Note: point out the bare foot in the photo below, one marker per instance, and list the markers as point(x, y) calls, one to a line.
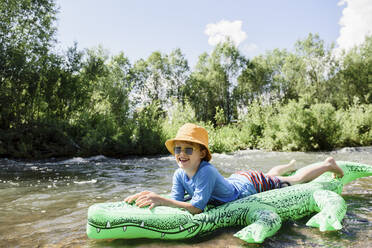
point(334, 167)
point(291, 165)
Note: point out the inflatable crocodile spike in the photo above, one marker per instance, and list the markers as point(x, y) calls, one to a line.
point(262, 214)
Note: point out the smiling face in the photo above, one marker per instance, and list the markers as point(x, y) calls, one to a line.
point(189, 163)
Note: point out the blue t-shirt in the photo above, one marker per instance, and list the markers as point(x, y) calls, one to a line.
point(209, 185)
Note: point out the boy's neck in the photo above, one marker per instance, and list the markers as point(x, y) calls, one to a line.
point(191, 172)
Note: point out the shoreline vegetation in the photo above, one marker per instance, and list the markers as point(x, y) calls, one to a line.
point(88, 102)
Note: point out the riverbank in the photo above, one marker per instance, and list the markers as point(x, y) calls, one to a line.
point(295, 126)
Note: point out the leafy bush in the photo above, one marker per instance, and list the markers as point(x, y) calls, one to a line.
point(148, 137)
point(224, 139)
point(254, 123)
point(178, 114)
point(356, 125)
point(326, 130)
point(37, 140)
point(299, 127)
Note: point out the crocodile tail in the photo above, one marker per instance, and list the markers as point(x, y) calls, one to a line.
point(353, 170)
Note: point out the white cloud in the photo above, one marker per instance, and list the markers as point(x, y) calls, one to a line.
point(219, 32)
point(356, 23)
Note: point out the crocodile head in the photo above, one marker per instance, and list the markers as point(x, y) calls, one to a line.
point(353, 170)
point(122, 220)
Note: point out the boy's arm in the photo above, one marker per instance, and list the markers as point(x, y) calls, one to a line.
point(178, 190)
point(180, 204)
point(147, 198)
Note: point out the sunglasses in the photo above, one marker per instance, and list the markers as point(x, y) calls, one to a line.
point(187, 150)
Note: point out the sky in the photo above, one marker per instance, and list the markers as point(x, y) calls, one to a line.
point(141, 27)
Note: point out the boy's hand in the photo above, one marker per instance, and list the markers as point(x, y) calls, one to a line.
point(133, 198)
point(145, 198)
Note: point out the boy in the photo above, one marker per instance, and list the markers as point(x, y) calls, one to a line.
point(205, 184)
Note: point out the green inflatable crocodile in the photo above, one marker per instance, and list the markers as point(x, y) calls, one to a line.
point(262, 214)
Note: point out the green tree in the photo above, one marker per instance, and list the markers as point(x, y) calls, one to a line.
point(197, 90)
point(262, 79)
point(110, 82)
point(26, 35)
point(150, 80)
point(64, 89)
point(355, 76)
point(312, 68)
point(282, 76)
point(213, 82)
point(178, 75)
point(228, 63)
point(159, 78)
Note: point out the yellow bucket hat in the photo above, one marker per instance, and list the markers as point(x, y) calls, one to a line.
point(190, 133)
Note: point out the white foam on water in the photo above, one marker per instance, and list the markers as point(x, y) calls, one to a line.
point(76, 160)
point(80, 160)
point(86, 182)
point(96, 158)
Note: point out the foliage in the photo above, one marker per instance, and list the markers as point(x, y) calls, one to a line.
point(302, 127)
point(89, 102)
point(355, 76)
point(178, 114)
point(212, 83)
point(255, 122)
point(225, 139)
point(26, 35)
point(147, 135)
point(159, 78)
point(356, 125)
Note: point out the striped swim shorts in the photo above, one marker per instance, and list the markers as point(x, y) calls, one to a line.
point(262, 182)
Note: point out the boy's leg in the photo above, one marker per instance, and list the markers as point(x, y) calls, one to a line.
point(311, 173)
point(281, 169)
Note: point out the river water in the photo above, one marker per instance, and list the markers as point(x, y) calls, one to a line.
point(44, 203)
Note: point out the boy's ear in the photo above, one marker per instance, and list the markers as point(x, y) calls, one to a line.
point(203, 153)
